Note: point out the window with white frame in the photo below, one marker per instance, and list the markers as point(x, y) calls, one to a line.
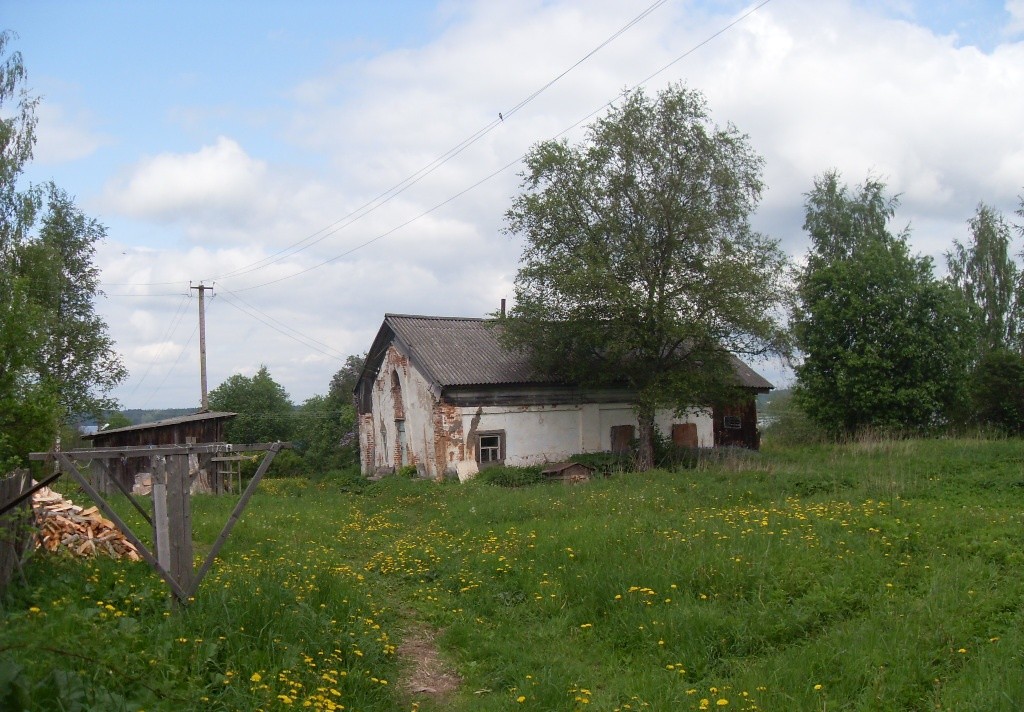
point(490, 447)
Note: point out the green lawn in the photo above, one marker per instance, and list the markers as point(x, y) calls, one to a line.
point(875, 576)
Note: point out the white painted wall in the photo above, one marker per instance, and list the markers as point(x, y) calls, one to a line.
point(540, 434)
point(533, 434)
point(665, 419)
point(418, 407)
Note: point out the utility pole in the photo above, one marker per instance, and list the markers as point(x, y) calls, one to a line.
point(202, 341)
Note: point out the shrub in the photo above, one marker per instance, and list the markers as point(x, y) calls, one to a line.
point(606, 463)
point(287, 463)
point(407, 471)
point(511, 476)
point(998, 391)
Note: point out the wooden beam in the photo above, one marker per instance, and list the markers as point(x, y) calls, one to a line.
point(28, 493)
point(151, 450)
point(107, 453)
point(138, 507)
point(179, 521)
point(161, 535)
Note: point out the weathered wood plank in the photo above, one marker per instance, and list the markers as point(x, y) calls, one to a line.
point(150, 450)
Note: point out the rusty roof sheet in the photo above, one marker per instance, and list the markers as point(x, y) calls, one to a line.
point(463, 351)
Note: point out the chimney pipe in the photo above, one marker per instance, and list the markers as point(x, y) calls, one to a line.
point(503, 308)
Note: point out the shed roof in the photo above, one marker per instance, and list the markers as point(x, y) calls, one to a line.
point(465, 351)
point(181, 419)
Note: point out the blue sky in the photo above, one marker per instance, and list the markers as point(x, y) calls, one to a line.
point(209, 137)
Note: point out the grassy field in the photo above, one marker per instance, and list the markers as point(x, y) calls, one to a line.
point(873, 576)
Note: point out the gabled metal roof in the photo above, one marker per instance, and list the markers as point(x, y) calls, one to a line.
point(457, 351)
point(463, 351)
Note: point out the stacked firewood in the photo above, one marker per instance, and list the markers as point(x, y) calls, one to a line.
point(82, 532)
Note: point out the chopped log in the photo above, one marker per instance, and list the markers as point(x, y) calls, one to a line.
point(82, 532)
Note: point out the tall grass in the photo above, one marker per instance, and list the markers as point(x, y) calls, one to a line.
point(882, 575)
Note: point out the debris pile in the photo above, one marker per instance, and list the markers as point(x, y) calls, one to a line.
point(82, 532)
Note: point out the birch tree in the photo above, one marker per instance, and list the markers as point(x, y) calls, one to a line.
point(640, 268)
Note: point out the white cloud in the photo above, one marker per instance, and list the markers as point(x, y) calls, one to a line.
point(63, 137)
point(1015, 8)
point(216, 182)
point(817, 86)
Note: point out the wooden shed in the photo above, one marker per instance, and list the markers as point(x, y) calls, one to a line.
point(568, 472)
point(198, 428)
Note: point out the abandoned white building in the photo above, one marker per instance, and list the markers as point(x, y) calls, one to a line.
point(443, 394)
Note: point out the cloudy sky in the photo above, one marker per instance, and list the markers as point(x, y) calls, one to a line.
point(321, 163)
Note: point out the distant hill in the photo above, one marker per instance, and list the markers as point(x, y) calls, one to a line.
point(139, 416)
point(765, 401)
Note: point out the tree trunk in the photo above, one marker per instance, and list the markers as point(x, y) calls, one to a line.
point(645, 437)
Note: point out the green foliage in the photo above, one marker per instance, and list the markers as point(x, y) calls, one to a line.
point(885, 344)
point(114, 420)
point(76, 354)
point(407, 471)
point(288, 463)
point(502, 476)
point(607, 463)
point(265, 413)
point(640, 269)
point(785, 422)
point(56, 359)
point(343, 383)
point(998, 390)
point(325, 432)
point(985, 273)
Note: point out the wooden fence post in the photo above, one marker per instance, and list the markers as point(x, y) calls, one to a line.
point(161, 536)
point(179, 520)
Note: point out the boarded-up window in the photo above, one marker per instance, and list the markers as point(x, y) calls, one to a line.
point(622, 438)
point(396, 396)
point(684, 435)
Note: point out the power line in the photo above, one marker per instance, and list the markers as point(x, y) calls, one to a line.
point(508, 165)
point(171, 327)
point(296, 335)
point(405, 184)
point(386, 196)
point(173, 366)
point(304, 339)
